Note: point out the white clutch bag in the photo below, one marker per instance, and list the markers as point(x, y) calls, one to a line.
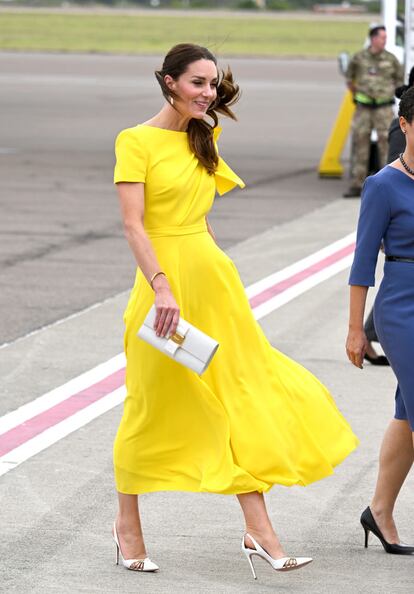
point(189, 345)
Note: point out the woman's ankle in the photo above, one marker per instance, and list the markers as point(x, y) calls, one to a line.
point(127, 524)
point(264, 533)
point(267, 540)
point(262, 537)
point(381, 510)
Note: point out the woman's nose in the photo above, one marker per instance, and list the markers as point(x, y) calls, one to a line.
point(208, 91)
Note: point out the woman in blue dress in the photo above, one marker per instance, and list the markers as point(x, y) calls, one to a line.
point(387, 214)
point(396, 146)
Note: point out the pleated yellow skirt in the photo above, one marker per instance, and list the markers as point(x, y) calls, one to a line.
point(254, 419)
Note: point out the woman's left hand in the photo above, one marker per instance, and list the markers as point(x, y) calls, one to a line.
point(167, 310)
point(356, 347)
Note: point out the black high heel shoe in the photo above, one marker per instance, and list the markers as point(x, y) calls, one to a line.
point(370, 525)
point(379, 360)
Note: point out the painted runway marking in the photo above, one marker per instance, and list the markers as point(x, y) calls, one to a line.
point(281, 287)
point(42, 422)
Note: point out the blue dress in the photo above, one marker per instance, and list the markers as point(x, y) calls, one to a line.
point(387, 214)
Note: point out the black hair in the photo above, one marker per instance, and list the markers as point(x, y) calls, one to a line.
point(406, 107)
point(375, 30)
point(400, 90)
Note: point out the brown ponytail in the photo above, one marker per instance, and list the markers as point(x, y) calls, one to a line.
point(200, 132)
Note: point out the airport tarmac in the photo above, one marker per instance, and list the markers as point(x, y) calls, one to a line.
point(65, 272)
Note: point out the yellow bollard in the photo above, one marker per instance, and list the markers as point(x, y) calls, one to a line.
point(330, 165)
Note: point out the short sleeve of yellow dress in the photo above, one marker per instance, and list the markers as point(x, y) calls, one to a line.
point(255, 418)
point(131, 158)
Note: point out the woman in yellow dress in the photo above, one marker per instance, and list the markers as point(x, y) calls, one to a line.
point(255, 418)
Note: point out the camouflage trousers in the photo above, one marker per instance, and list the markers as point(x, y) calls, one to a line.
point(365, 120)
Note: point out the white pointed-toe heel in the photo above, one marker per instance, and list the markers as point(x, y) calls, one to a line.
point(283, 564)
point(133, 564)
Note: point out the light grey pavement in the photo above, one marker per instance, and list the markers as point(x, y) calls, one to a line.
point(57, 508)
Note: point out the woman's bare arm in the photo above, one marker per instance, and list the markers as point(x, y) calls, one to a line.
point(356, 344)
point(132, 201)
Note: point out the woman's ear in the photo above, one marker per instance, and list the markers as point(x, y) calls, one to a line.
point(169, 81)
point(403, 124)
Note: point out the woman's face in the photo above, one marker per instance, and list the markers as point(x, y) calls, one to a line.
point(196, 88)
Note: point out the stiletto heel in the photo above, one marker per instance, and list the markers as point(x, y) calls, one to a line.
point(366, 536)
point(249, 559)
point(369, 525)
point(133, 564)
point(283, 564)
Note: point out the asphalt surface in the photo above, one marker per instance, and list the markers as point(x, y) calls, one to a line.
point(62, 250)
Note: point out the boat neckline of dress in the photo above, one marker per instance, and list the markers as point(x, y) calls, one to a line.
point(404, 174)
point(162, 129)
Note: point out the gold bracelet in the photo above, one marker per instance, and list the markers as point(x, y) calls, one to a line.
point(154, 276)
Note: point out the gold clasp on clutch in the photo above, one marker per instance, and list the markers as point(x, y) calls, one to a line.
point(177, 338)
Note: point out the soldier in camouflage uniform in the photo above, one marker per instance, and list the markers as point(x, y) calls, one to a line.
point(372, 76)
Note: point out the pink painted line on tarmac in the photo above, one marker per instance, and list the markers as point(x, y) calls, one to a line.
point(296, 278)
point(39, 423)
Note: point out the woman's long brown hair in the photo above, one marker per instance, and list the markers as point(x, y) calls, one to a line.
point(200, 132)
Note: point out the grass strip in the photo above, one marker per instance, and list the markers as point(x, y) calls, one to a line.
point(156, 34)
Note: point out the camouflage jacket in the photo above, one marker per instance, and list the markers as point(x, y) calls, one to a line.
point(375, 75)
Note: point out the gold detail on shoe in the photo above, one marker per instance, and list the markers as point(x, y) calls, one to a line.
point(290, 563)
point(177, 338)
point(137, 565)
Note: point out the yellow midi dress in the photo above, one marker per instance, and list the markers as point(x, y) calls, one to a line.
point(255, 418)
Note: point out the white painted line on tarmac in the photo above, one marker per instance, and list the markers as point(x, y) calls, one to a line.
point(39, 424)
point(58, 395)
point(56, 432)
point(301, 287)
point(281, 287)
point(299, 266)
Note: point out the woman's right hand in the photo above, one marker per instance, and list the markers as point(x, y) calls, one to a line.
point(167, 310)
point(356, 347)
